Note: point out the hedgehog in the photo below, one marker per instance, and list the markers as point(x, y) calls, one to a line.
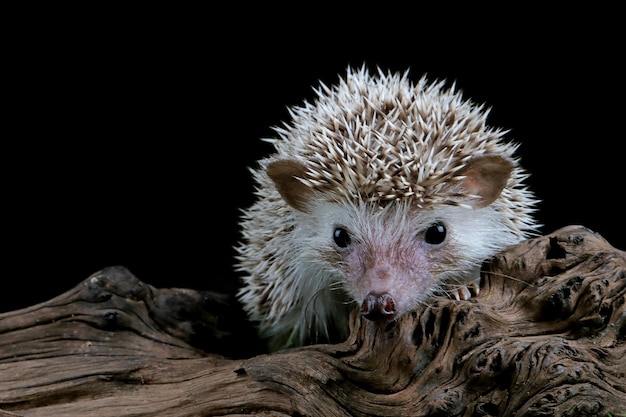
point(379, 195)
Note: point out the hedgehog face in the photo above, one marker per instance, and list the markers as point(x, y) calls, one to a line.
point(391, 260)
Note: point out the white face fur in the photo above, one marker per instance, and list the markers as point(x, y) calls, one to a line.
point(401, 250)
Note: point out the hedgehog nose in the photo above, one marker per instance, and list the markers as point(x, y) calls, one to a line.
point(378, 307)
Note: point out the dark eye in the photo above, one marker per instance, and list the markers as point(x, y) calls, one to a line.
point(341, 237)
point(435, 234)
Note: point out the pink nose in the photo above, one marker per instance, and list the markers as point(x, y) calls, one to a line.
point(378, 307)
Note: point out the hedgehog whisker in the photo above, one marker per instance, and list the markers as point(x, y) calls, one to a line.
point(512, 278)
point(333, 286)
point(454, 282)
point(310, 313)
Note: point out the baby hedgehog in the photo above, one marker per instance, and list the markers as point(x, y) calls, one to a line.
point(380, 194)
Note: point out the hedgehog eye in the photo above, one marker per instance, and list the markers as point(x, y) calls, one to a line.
point(435, 234)
point(341, 237)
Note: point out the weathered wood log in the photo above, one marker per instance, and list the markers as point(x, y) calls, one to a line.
point(546, 336)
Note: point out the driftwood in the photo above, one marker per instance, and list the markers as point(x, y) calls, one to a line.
point(546, 336)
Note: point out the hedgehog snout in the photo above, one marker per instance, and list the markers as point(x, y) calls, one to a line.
point(379, 307)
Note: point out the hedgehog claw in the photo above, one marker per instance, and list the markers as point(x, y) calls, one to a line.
point(475, 287)
point(462, 293)
point(465, 292)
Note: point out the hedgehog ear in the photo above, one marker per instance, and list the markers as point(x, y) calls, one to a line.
point(285, 174)
point(486, 176)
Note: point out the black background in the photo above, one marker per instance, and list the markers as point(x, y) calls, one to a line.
point(128, 134)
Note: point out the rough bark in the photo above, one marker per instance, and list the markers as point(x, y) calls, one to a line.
point(545, 337)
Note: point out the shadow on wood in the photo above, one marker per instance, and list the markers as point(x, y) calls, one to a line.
point(545, 337)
